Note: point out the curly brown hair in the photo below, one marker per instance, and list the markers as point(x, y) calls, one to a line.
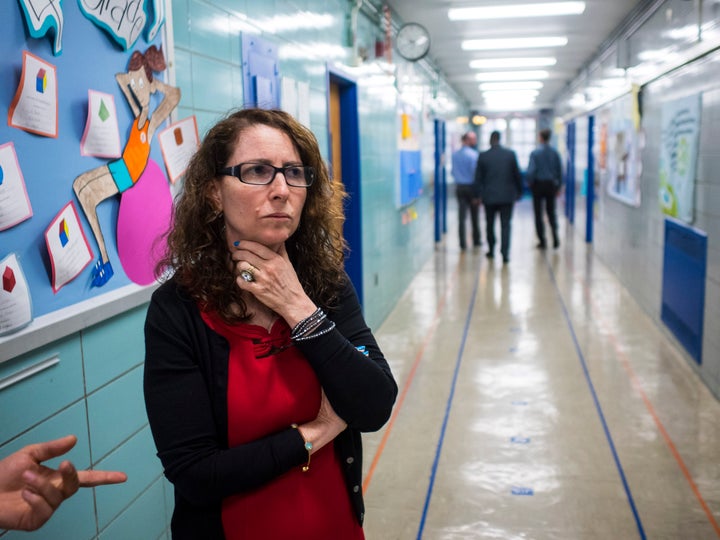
point(196, 246)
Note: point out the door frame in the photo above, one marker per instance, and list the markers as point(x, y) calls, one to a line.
point(351, 170)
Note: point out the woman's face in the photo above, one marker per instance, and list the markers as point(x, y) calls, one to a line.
point(267, 214)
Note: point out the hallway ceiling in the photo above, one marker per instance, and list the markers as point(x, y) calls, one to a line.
point(585, 33)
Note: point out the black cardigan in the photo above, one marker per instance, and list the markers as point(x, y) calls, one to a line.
point(185, 385)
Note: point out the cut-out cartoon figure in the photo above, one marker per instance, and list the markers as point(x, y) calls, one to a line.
point(97, 185)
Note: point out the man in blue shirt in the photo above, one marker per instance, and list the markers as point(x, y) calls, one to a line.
point(544, 177)
point(463, 171)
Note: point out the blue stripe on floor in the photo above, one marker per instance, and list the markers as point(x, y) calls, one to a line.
point(448, 406)
point(598, 407)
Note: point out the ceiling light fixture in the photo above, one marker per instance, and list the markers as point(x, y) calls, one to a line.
point(507, 85)
point(513, 43)
point(495, 63)
point(511, 75)
point(510, 94)
point(548, 9)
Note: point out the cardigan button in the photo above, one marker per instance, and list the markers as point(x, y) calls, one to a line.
point(356, 489)
point(350, 460)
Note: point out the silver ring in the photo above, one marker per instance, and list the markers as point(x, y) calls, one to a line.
point(248, 275)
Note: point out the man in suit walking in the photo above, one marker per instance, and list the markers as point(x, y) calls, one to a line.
point(500, 184)
point(544, 177)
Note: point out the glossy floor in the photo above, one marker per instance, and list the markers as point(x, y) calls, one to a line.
point(538, 401)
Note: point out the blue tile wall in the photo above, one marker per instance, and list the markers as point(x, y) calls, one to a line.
point(95, 393)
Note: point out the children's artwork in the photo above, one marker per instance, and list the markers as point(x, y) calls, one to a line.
point(96, 185)
point(15, 305)
point(624, 146)
point(101, 137)
point(678, 157)
point(42, 16)
point(178, 143)
point(143, 218)
point(67, 246)
point(124, 21)
point(14, 201)
point(35, 106)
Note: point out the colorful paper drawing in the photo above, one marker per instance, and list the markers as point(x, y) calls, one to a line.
point(94, 186)
point(678, 157)
point(158, 18)
point(15, 303)
point(67, 246)
point(14, 201)
point(123, 22)
point(178, 143)
point(35, 105)
point(102, 136)
point(144, 216)
point(41, 17)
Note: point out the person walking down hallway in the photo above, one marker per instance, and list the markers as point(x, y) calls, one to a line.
point(463, 170)
point(500, 184)
point(544, 177)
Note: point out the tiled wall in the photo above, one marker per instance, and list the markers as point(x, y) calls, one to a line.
point(630, 240)
point(92, 388)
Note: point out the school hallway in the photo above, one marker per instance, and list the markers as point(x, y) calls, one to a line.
point(537, 401)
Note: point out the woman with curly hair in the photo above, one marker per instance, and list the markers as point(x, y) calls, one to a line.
point(260, 371)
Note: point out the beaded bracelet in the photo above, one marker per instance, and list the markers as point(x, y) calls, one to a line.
point(308, 324)
point(309, 327)
point(308, 446)
point(322, 332)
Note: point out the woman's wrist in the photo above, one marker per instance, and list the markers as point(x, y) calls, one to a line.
point(294, 314)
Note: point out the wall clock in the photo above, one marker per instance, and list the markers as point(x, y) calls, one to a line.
point(412, 41)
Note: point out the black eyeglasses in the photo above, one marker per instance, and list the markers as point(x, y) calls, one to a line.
point(262, 174)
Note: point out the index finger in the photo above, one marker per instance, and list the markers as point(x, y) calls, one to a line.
point(92, 478)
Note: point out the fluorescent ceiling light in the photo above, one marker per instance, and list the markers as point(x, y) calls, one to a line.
point(508, 106)
point(511, 75)
point(510, 94)
point(507, 85)
point(513, 43)
point(494, 63)
point(505, 11)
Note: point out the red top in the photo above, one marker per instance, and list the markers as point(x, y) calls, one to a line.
point(267, 395)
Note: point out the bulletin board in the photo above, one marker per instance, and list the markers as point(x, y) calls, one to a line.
point(88, 60)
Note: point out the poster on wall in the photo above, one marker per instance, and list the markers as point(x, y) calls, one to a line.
point(15, 305)
point(67, 246)
point(102, 135)
point(178, 143)
point(622, 149)
point(14, 202)
point(35, 106)
point(678, 156)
